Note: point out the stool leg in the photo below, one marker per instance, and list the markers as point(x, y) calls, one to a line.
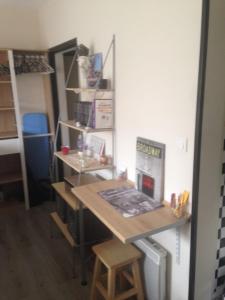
point(74, 262)
point(111, 283)
point(137, 280)
point(96, 275)
point(122, 282)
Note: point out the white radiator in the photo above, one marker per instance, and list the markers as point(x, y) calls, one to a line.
point(153, 269)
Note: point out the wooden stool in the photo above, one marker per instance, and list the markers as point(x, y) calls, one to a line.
point(115, 256)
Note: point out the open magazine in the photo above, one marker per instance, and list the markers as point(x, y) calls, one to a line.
point(129, 201)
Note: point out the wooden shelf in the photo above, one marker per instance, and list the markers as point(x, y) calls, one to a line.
point(67, 196)
point(63, 228)
point(8, 135)
point(74, 161)
point(90, 94)
point(5, 81)
point(89, 90)
point(81, 179)
point(7, 108)
point(10, 178)
point(72, 124)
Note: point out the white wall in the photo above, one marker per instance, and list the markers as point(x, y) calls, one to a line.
point(20, 30)
point(157, 53)
point(31, 93)
point(19, 27)
point(211, 154)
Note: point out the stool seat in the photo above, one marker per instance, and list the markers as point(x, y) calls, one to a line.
point(119, 259)
point(114, 254)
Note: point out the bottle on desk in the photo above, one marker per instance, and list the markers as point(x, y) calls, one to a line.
point(80, 143)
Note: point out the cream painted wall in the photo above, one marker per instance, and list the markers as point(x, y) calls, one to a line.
point(213, 133)
point(19, 27)
point(157, 56)
point(31, 93)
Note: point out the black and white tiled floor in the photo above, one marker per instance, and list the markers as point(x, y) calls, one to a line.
point(219, 286)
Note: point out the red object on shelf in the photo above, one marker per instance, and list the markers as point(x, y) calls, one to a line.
point(65, 149)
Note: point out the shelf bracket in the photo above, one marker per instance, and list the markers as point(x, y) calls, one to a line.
point(178, 242)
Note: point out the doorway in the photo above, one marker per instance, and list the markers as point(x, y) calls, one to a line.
point(63, 59)
point(209, 140)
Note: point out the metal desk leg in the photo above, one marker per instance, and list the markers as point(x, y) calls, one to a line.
point(82, 247)
point(74, 262)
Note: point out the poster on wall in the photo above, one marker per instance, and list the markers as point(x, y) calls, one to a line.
point(150, 168)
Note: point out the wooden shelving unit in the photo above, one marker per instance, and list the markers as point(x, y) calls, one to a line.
point(88, 164)
point(10, 164)
point(11, 133)
point(11, 152)
point(81, 163)
point(8, 126)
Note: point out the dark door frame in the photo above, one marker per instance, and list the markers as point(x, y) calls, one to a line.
point(51, 56)
point(198, 140)
point(55, 99)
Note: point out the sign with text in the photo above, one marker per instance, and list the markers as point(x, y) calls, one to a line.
point(150, 166)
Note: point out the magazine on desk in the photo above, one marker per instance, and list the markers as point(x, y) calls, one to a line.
point(129, 201)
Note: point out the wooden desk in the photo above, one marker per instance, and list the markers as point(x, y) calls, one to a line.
point(126, 229)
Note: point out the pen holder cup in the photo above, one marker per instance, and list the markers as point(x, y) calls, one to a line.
point(180, 211)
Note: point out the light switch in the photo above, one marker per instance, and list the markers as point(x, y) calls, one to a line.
point(182, 144)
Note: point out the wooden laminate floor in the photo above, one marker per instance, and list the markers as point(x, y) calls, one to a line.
point(32, 265)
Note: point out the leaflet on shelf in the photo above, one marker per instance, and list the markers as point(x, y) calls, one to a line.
point(102, 116)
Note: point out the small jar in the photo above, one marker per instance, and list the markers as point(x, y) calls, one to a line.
point(109, 160)
point(103, 159)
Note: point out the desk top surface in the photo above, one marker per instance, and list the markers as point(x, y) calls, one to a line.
point(126, 229)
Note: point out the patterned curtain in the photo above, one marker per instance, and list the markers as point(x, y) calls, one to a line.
point(219, 286)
